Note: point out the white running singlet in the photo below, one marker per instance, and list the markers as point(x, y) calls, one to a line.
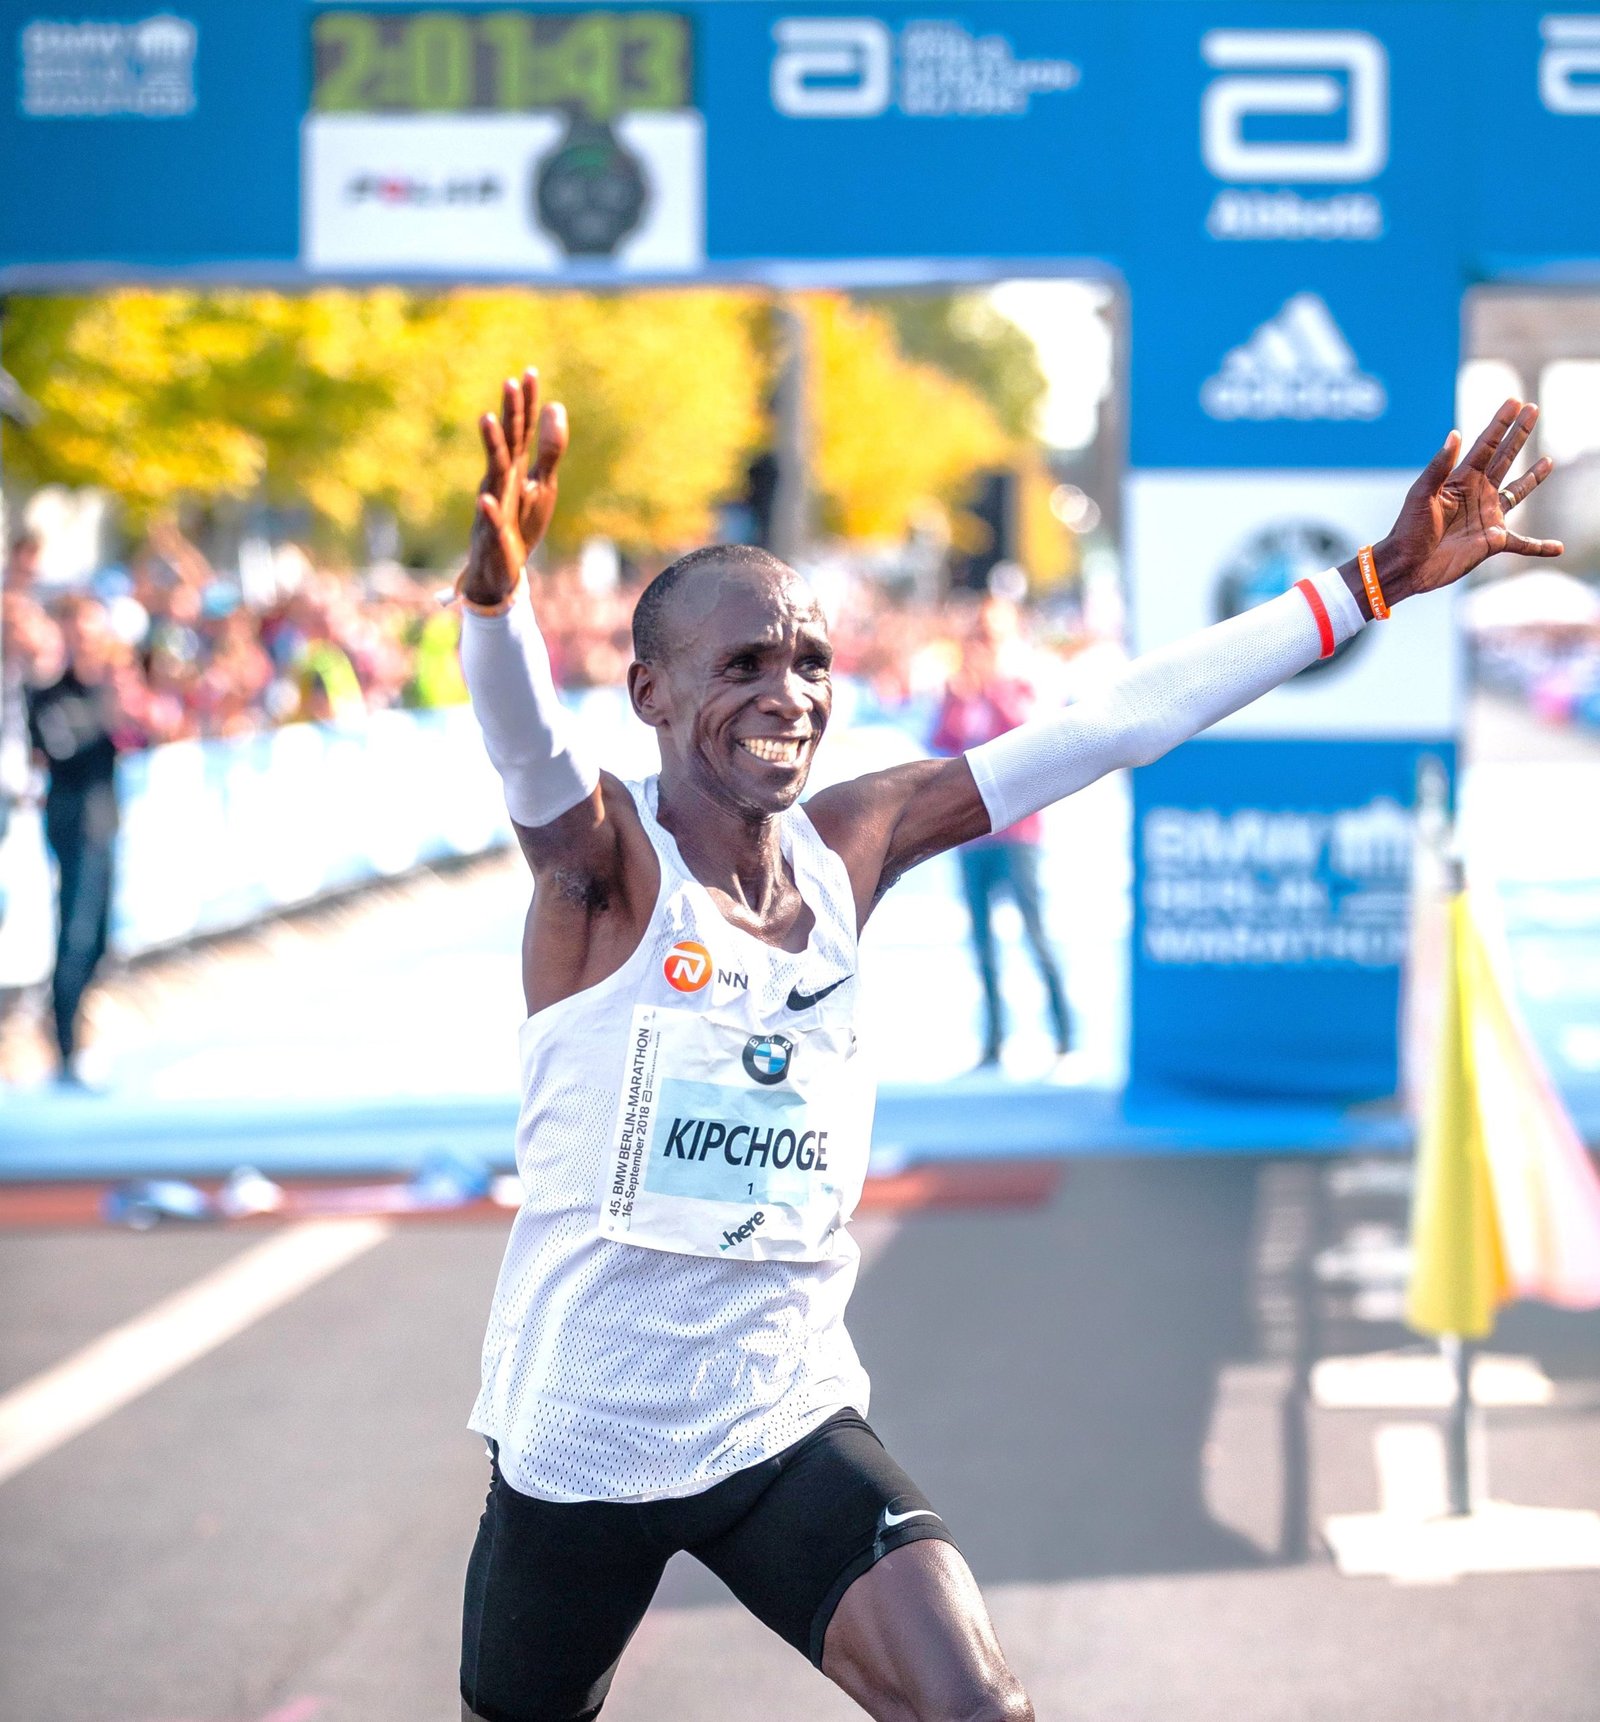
point(692, 1141)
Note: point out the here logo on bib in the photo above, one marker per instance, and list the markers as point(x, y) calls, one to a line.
point(716, 1125)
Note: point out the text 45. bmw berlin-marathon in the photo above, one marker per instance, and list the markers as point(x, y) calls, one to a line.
point(1267, 181)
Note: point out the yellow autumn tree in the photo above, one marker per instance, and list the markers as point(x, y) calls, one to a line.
point(890, 434)
point(665, 393)
point(338, 400)
point(1047, 549)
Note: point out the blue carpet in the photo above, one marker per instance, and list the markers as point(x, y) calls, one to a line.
point(51, 1135)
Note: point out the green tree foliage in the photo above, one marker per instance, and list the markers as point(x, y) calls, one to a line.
point(336, 400)
point(892, 435)
point(968, 339)
point(162, 396)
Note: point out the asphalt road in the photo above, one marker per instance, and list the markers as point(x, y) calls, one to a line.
point(1105, 1395)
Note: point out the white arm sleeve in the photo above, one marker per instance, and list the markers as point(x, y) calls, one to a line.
point(530, 735)
point(1161, 699)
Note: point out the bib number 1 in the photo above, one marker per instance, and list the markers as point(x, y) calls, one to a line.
point(732, 1143)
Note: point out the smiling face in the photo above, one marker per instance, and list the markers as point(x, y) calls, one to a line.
point(742, 689)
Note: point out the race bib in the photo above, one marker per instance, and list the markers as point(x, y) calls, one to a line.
point(730, 1143)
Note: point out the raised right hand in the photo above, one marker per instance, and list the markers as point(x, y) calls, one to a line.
point(1454, 516)
point(515, 503)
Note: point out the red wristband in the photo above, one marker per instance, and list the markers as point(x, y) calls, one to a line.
point(1320, 610)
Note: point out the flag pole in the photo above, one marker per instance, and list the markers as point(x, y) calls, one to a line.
point(1460, 1430)
point(1456, 1348)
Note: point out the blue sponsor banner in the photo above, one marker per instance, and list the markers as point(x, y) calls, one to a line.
point(1295, 193)
point(1288, 360)
point(1213, 153)
point(1534, 210)
point(908, 132)
point(137, 138)
point(1299, 205)
point(1270, 917)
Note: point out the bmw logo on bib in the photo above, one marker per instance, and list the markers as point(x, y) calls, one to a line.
point(767, 1057)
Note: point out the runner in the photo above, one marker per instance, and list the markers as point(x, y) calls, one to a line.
point(666, 1365)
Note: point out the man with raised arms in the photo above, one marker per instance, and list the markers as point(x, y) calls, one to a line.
point(666, 1366)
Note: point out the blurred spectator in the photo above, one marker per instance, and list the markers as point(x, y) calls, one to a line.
point(229, 692)
point(77, 723)
point(1553, 668)
point(22, 562)
point(324, 679)
point(32, 653)
point(175, 615)
point(990, 694)
point(436, 679)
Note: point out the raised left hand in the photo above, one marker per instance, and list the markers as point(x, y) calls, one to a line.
point(1454, 516)
point(516, 499)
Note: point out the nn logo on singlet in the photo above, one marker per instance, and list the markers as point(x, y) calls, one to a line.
point(742, 1234)
point(688, 968)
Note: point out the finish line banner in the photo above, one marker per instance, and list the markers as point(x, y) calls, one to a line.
point(286, 141)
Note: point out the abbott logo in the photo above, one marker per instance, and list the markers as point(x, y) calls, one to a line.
point(1295, 72)
point(1569, 67)
point(831, 68)
point(933, 68)
point(1297, 365)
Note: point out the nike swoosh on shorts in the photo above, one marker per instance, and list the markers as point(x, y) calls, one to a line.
point(798, 1000)
point(890, 1520)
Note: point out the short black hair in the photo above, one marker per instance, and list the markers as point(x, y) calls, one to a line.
point(651, 615)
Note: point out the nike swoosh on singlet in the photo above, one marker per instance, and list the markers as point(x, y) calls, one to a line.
point(798, 1000)
point(890, 1520)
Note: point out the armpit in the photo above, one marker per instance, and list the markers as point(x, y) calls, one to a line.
point(583, 890)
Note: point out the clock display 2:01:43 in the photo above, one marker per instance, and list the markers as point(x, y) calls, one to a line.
point(597, 65)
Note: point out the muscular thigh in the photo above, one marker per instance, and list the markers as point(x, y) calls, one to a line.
point(912, 1638)
point(838, 1505)
point(554, 1592)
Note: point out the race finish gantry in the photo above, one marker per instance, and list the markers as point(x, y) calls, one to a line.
point(1294, 197)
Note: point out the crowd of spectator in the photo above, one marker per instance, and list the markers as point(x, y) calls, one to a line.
point(191, 659)
point(167, 650)
point(897, 649)
point(1555, 671)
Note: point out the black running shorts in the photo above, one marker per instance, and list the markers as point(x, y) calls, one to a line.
point(556, 1589)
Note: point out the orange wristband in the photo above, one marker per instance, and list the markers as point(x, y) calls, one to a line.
point(1369, 579)
point(487, 609)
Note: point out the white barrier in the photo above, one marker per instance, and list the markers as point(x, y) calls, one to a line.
point(216, 834)
point(219, 834)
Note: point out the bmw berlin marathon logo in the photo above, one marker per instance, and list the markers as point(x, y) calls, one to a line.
point(767, 1058)
point(1272, 561)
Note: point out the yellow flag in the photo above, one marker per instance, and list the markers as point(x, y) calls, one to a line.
point(1546, 1190)
point(1458, 1278)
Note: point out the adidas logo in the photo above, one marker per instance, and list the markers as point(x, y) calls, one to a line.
point(1297, 365)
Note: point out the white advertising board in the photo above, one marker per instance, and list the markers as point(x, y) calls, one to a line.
point(450, 194)
point(1203, 545)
